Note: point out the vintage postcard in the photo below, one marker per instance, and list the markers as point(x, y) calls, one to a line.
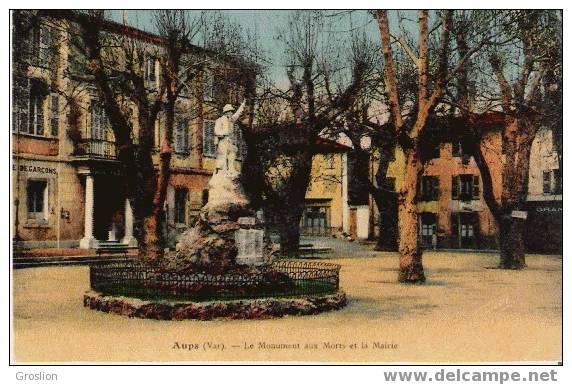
point(286, 186)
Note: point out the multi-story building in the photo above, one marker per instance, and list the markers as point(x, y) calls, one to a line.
point(326, 200)
point(452, 211)
point(67, 182)
point(544, 206)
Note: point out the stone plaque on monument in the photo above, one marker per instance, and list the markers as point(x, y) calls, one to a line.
point(250, 243)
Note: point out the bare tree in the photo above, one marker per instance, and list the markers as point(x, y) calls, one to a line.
point(520, 78)
point(432, 75)
point(322, 84)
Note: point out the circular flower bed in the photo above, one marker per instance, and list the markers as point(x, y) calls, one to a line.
point(261, 308)
point(285, 287)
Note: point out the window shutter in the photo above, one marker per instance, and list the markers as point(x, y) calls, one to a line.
point(455, 227)
point(208, 85)
point(34, 49)
point(186, 136)
point(54, 111)
point(208, 138)
point(93, 119)
point(546, 181)
point(475, 187)
point(22, 105)
point(557, 181)
point(152, 69)
point(39, 100)
point(178, 142)
point(45, 46)
point(455, 187)
point(435, 188)
point(182, 136)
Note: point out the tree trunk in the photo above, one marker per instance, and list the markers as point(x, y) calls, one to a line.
point(511, 238)
point(386, 198)
point(289, 230)
point(410, 259)
point(291, 199)
point(386, 203)
point(151, 240)
point(517, 140)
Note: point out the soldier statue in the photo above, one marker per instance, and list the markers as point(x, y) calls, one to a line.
point(224, 129)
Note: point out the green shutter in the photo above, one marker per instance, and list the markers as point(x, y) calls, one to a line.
point(208, 138)
point(436, 188)
point(455, 187)
point(54, 110)
point(39, 100)
point(476, 189)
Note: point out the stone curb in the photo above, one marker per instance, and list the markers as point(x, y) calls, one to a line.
point(262, 308)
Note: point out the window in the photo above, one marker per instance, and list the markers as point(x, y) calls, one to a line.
point(77, 57)
point(182, 137)
point(546, 182)
point(428, 228)
point(465, 229)
point(54, 114)
point(42, 46)
point(428, 188)
point(434, 151)
point(209, 148)
point(149, 73)
point(20, 100)
point(37, 199)
point(180, 215)
point(208, 86)
point(465, 187)
point(552, 181)
point(316, 219)
point(99, 121)
point(36, 121)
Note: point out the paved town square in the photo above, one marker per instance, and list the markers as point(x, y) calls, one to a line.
point(466, 312)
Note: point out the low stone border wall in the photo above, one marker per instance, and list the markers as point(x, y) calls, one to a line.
point(238, 309)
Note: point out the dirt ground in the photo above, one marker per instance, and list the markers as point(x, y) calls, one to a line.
point(465, 312)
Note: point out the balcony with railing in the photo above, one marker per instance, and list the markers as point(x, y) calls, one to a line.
point(95, 148)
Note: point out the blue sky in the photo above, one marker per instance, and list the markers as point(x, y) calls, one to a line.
point(267, 23)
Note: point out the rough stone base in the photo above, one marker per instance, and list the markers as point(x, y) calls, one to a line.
point(262, 308)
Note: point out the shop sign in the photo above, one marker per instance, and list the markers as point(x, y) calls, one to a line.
point(519, 214)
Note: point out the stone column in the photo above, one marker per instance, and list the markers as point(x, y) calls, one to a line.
point(129, 239)
point(112, 233)
point(88, 241)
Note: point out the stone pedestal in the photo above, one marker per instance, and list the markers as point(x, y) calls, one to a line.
point(212, 243)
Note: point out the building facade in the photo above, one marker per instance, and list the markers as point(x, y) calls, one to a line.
point(67, 184)
point(452, 213)
point(544, 201)
point(326, 202)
